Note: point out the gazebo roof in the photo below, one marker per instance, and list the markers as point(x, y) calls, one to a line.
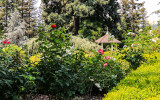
point(105, 39)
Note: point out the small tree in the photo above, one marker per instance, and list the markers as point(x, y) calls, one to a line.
point(16, 32)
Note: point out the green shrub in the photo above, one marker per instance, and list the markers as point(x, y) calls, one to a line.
point(134, 57)
point(16, 80)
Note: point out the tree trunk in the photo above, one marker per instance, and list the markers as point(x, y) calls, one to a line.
point(6, 9)
point(22, 8)
point(76, 25)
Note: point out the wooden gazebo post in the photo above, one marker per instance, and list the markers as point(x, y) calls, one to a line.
point(102, 46)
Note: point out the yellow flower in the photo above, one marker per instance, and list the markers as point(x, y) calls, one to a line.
point(35, 59)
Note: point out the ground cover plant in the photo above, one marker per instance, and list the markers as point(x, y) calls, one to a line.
point(142, 83)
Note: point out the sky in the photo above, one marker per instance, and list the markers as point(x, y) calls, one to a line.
point(150, 5)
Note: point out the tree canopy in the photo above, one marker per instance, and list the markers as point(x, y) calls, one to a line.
point(73, 14)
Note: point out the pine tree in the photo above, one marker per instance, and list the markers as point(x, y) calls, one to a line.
point(2, 14)
point(7, 7)
point(26, 8)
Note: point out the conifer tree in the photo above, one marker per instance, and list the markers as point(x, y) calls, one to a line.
point(26, 8)
point(7, 7)
point(133, 15)
point(2, 14)
point(16, 32)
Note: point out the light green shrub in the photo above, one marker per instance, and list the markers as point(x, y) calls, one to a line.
point(84, 43)
point(141, 84)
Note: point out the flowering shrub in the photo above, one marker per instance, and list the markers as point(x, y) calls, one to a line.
point(53, 26)
point(107, 57)
point(12, 49)
point(100, 51)
point(105, 64)
point(134, 57)
point(6, 41)
point(63, 74)
point(16, 74)
point(35, 59)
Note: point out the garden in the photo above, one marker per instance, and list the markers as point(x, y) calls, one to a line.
point(57, 57)
point(59, 71)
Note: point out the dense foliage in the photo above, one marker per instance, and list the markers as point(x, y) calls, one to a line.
point(90, 17)
point(15, 74)
point(64, 74)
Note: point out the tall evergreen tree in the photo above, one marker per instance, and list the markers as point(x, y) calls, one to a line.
point(26, 8)
point(2, 14)
point(133, 15)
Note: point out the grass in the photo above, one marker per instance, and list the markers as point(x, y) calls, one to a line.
point(140, 84)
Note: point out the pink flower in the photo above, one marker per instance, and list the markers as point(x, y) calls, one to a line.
point(136, 43)
point(108, 57)
point(53, 26)
point(100, 51)
point(6, 41)
point(104, 65)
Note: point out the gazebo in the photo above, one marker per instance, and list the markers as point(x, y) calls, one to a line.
point(106, 39)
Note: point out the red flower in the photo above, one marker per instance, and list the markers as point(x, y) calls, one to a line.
point(78, 57)
point(104, 65)
point(6, 41)
point(100, 51)
point(60, 36)
point(53, 26)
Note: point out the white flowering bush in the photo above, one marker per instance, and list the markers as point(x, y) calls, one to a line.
point(16, 32)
